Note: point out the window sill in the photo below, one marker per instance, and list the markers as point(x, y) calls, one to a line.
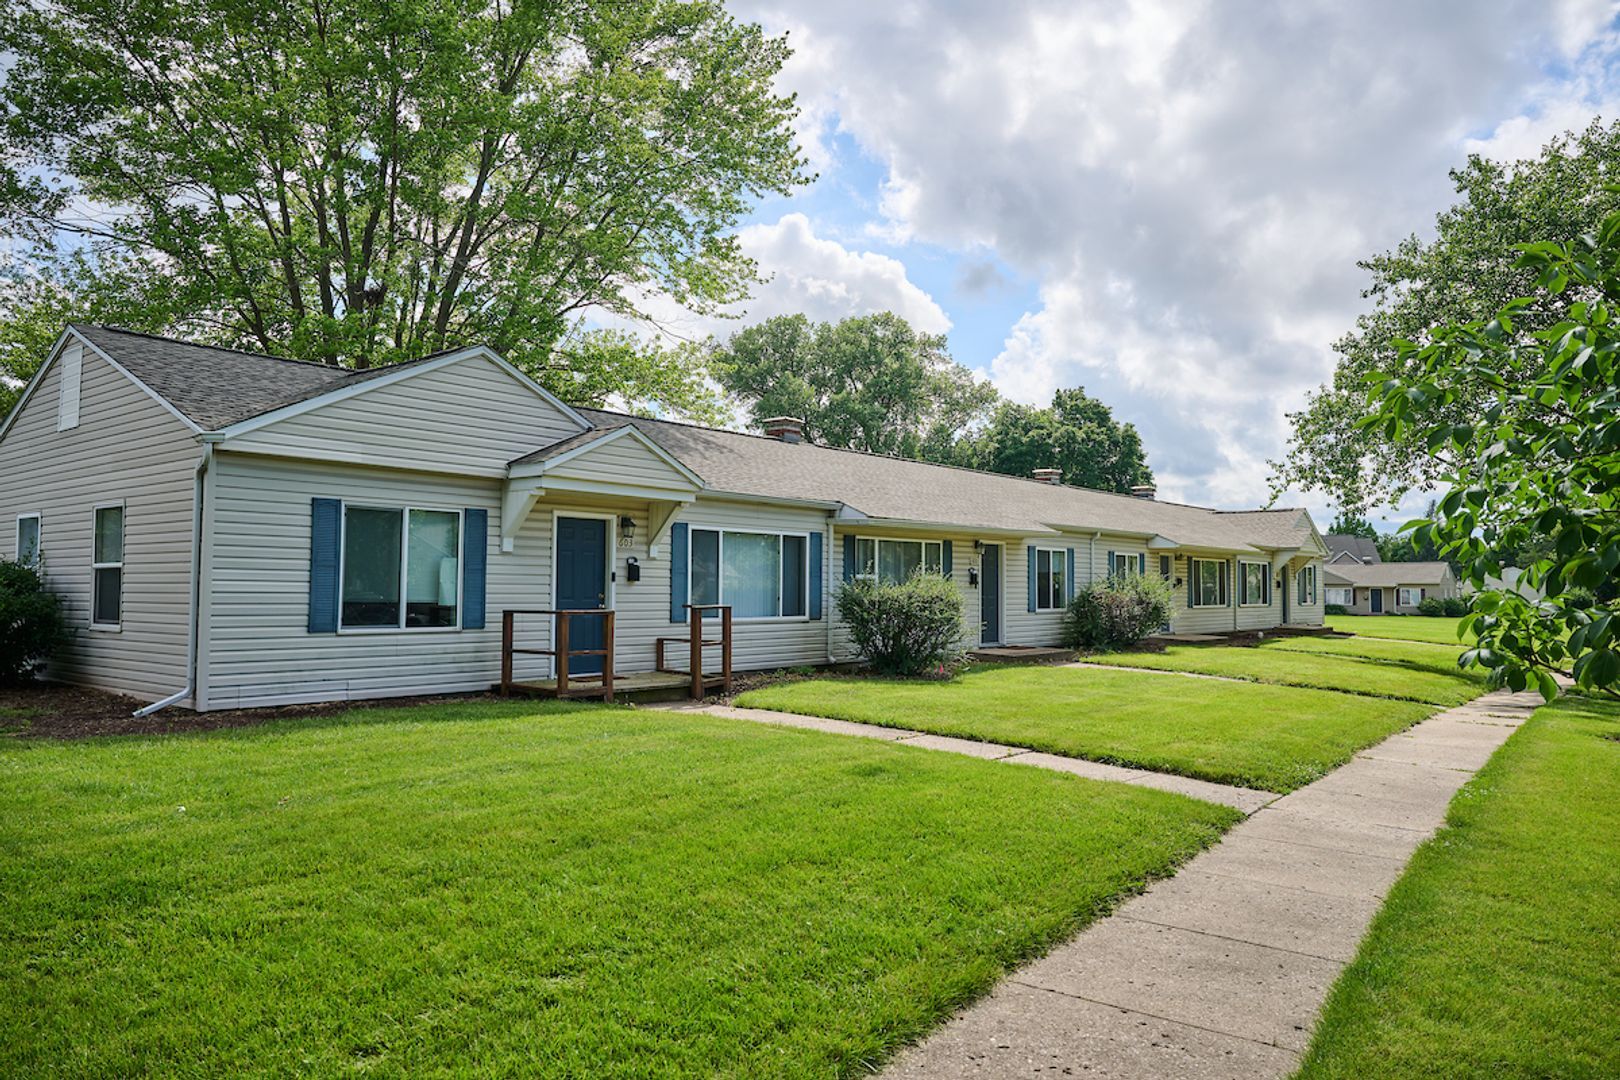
point(107, 628)
point(374, 631)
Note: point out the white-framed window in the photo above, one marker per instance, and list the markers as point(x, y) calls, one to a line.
point(762, 575)
point(1339, 596)
point(1408, 597)
point(401, 568)
point(1307, 585)
point(1209, 585)
point(1125, 563)
point(893, 561)
point(1051, 579)
point(28, 539)
point(1254, 584)
point(107, 567)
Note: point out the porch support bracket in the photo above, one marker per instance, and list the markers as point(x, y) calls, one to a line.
point(517, 499)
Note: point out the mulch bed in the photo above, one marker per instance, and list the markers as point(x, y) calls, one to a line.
point(57, 711)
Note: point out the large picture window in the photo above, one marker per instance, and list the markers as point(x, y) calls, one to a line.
point(1125, 564)
point(107, 568)
point(1209, 587)
point(1253, 584)
point(1050, 574)
point(28, 539)
point(760, 575)
point(1405, 597)
point(401, 568)
point(1338, 596)
point(893, 561)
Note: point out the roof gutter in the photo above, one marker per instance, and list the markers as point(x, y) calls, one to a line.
point(195, 599)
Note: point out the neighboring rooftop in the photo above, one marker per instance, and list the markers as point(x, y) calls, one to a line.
point(1361, 548)
point(1385, 575)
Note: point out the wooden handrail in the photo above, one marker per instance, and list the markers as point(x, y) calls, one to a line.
point(696, 643)
point(562, 652)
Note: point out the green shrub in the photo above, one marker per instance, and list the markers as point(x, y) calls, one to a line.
point(31, 624)
point(1431, 605)
point(1455, 606)
point(1118, 612)
point(1335, 609)
point(909, 628)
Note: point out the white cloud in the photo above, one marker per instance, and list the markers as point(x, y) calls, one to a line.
point(1191, 183)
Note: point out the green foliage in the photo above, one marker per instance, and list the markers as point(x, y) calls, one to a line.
point(1527, 428)
point(1454, 607)
point(870, 383)
point(32, 627)
point(1118, 612)
point(364, 182)
point(906, 628)
point(1077, 434)
point(1334, 609)
point(1347, 524)
point(1468, 270)
point(1432, 606)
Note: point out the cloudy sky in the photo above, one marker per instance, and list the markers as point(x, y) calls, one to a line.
point(1162, 202)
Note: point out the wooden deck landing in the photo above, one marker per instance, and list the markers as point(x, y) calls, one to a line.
point(1021, 654)
point(644, 686)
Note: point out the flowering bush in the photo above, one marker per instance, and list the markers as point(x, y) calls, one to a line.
point(903, 629)
point(1118, 612)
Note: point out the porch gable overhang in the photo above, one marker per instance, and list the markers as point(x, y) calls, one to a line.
point(618, 463)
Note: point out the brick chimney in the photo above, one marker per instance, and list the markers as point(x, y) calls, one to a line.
point(1144, 491)
point(1048, 476)
point(786, 428)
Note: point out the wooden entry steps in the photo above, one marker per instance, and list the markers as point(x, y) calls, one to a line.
point(657, 685)
point(646, 686)
point(1021, 654)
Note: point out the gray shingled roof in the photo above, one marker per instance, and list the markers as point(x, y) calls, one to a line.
point(216, 388)
point(1360, 546)
point(213, 387)
point(915, 491)
point(1387, 575)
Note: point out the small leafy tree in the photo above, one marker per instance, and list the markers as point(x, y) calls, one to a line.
point(31, 624)
point(1116, 613)
point(906, 628)
point(1538, 457)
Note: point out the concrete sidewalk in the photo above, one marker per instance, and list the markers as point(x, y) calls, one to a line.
point(1246, 799)
point(1221, 970)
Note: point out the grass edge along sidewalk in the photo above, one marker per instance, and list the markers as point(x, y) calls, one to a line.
point(516, 887)
point(1498, 951)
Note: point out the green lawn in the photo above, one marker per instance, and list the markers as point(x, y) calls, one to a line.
point(1440, 631)
point(1271, 737)
point(507, 889)
point(1498, 953)
point(1288, 662)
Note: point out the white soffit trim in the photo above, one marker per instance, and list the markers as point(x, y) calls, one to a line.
point(406, 371)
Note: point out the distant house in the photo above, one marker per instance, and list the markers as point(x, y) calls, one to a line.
point(1355, 577)
point(230, 529)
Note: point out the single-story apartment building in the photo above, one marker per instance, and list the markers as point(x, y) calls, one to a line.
point(1356, 578)
point(230, 529)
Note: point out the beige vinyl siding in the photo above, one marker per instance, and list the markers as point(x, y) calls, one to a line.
point(125, 447)
point(259, 652)
point(1202, 620)
point(468, 417)
point(622, 461)
point(1306, 614)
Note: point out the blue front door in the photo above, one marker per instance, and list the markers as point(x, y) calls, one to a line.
point(990, 595)
point(1378, 601)
point(582, 583)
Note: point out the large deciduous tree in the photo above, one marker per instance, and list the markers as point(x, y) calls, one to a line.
point(366, 181)
point(1076, 433)
point(1468, 268)
point(1524, 427)
point(869, 383)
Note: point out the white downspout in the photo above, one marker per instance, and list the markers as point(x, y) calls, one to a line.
point(196, 586)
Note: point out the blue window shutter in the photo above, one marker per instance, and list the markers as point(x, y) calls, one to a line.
point(1192, 579)
point(1110, 572)
point(325, 542)
point(849, 556)
point(1141, 563)
point(1030, 551)
point(678, 541)
point(1068, 579)
point(815, 575)
point(474, 563)
point(945, 558)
